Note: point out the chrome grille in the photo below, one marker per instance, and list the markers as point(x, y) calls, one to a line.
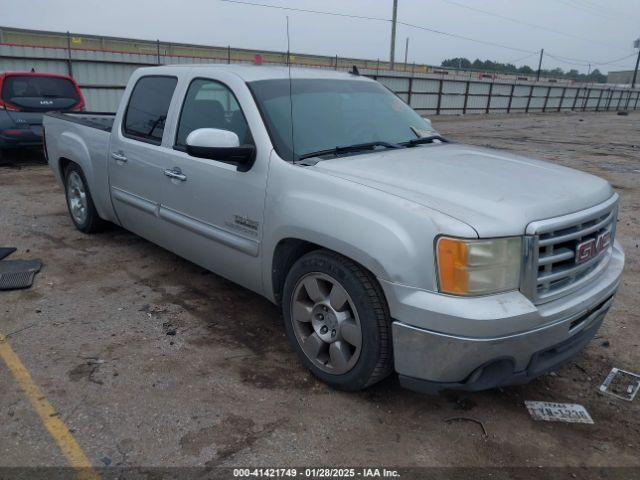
point(550, 268)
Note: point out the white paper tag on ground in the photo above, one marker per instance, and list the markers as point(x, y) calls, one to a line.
point(558, 412)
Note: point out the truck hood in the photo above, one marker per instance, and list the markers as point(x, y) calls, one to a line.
point(494, 192)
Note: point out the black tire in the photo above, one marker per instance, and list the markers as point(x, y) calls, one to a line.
point(375, 361)
point(92, 223)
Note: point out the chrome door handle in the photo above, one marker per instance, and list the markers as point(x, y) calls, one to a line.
point(119, 157)
point(175, 173)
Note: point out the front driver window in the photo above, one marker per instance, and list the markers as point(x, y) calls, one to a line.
point(210, 104)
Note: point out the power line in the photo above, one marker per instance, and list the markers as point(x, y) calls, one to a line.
point(522, 58)
point(586, 63)
point(585, 8)
point(462, 37)
point(303, 10)
point(521, 22)
point(410, 25)
point(568, 60)
point(581, 61)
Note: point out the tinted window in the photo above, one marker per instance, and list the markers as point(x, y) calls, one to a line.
point(210, 104)
point(330, 113)
point(40, 93)
point(148, 106)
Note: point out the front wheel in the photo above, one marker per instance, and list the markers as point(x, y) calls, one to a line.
point(337, 319)
point(79, 202)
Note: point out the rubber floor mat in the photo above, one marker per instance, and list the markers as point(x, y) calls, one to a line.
point(6, 251)
point(16, 274)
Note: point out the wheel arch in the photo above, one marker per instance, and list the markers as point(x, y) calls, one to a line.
point(288, 251)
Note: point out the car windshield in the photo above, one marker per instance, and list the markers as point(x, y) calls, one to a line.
point(334, 113)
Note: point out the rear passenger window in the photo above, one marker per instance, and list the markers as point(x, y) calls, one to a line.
point(148, 106)
point(210, 104)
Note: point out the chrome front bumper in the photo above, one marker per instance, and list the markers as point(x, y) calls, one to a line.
point(476, 343)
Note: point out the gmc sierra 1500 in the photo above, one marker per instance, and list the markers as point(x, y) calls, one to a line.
point(385, 244)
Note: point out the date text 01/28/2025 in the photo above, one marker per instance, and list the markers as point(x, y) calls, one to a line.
point(315, 473)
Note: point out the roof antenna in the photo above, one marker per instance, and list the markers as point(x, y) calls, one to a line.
point(293, 150)
point(354, 71)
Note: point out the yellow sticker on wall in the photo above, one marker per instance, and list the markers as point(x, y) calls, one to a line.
point(76, 40)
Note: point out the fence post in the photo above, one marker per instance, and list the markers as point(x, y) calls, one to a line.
point(599, 99)
point(377, 67)
point(546, 99)
point(336, 68)
point(626, 105)
point(69, 64)
point(439, 97)
point(229, 54)
point(586, 100)
point(575, 99)
point(410, 91)
point(489, 97)
point(158, 51)
point(526, 110)
point(466, 97)
point(513, 88)
point(564, 90)
point(619, 100)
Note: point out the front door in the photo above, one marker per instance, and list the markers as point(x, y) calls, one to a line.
point(213, 211)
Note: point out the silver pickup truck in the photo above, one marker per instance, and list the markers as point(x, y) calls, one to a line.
point(387, 246)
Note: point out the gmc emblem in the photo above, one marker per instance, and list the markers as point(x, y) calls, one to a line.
point(591, 248)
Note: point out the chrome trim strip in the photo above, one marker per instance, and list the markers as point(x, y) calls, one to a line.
point(577, 234)
point(245, 245)
point(134, 201)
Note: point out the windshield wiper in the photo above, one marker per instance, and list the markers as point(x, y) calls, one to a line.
point(349, 149)
point(419, 141)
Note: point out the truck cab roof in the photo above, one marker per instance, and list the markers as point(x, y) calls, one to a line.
point(251, 73)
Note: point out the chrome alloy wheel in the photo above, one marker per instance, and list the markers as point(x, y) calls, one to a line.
point(77, 198)
point(326, 323)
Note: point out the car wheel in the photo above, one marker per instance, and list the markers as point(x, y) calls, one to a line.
point(79, 202)
point(338, 321)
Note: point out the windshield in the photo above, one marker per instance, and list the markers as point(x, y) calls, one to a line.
point(334, 113)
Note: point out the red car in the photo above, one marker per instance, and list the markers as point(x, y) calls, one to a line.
point(24, 97)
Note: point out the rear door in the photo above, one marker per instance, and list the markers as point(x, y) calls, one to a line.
point(137, 158)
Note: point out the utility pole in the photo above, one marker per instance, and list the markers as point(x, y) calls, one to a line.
point(394, 21)
point(635, 72)
point(539, 64)
point(406, 53)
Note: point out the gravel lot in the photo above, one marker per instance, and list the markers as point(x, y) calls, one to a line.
point(151, 361)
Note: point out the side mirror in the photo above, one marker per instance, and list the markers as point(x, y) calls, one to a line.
point(222, 145)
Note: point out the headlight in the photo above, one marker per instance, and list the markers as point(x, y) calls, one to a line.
point(478, 267)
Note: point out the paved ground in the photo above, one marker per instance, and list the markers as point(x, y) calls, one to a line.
point(226, 389)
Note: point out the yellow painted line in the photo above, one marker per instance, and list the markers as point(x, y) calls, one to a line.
point(56, 427)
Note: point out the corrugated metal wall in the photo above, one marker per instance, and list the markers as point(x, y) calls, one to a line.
point(102, 74)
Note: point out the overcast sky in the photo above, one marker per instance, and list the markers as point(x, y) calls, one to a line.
point(596, 31)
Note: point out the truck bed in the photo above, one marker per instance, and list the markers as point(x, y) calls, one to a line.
point(100, 120)
point(82, 138)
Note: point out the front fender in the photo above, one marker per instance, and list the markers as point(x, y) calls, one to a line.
point(390, 236)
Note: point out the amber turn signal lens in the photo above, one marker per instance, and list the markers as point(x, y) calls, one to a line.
point(453, 256)
point(478, 266)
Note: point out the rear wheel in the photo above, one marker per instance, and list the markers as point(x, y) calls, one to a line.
point(79, 202)
point(337, 320)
